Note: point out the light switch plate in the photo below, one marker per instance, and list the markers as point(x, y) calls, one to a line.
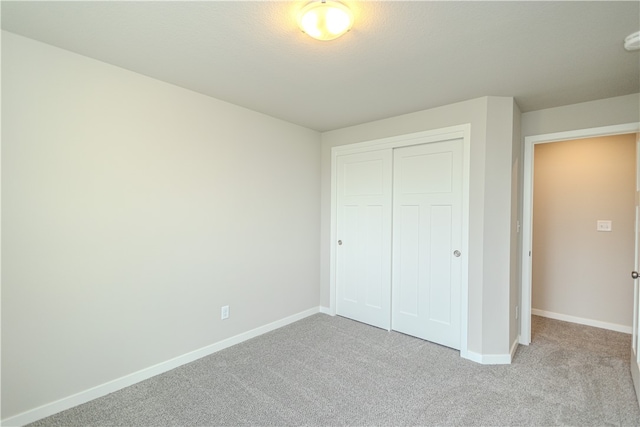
point(603, 225)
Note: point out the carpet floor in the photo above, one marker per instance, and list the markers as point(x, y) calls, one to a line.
point(331, 371)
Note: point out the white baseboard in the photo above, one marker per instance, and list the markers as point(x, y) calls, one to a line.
point(489, 359)
point(474, 357)
point(122, 382)
point(582, 321)
point(326, 310)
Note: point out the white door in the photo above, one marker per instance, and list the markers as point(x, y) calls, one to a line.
point(427, 238)
point(363, 262)
point(635, 353)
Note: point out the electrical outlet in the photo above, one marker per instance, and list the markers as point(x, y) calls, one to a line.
point(224, 312)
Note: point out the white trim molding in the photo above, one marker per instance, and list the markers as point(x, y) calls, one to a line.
point(326, 310)
point(494, 359)
point(527, 207)
point(489, 359)
point(85, 396)
point(582, 321)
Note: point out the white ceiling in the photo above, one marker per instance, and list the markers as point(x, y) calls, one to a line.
point(399, 57)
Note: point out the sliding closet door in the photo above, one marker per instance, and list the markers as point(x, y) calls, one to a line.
point(363, 262)
point(427, 237)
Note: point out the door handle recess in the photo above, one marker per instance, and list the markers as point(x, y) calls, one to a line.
point(634, 275)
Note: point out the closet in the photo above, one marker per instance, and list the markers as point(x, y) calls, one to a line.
point(400, 222)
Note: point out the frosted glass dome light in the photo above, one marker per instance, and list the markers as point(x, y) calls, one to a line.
point(632, 41)
point(325, 20)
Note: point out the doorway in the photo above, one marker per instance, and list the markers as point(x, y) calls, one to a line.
point(583, 231)
point(528, 212)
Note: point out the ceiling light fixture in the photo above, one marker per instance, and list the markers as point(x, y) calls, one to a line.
point(325, 20)
point(632, 42)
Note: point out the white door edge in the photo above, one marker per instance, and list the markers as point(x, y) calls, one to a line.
point(436, 135)
point(527, 207)
point(635, 374)
point(635, 353)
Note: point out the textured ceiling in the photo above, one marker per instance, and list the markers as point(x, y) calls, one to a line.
point(400, 57)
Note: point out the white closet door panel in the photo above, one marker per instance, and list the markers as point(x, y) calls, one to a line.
point(440, 304)
point(426, 174)
point(349, 268)
point(363, 262)
point(427, 211)
point(374, 274)
point(362, 178)
point(407, 285)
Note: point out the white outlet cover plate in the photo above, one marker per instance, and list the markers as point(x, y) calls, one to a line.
point(603, 225)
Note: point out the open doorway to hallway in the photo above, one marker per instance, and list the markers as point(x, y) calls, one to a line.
point(583, 231)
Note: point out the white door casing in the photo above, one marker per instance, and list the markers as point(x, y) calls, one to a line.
point(635, 352)
point(363, 260)
point(427, 222)
point(459, 132)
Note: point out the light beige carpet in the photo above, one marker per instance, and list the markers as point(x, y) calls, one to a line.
point(326, 371)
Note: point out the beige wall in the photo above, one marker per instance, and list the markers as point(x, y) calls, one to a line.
point(132, 211)
point(586, 115)
point(578, 271)
point(516, 234)
point(492, 140)
point(498, 253)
